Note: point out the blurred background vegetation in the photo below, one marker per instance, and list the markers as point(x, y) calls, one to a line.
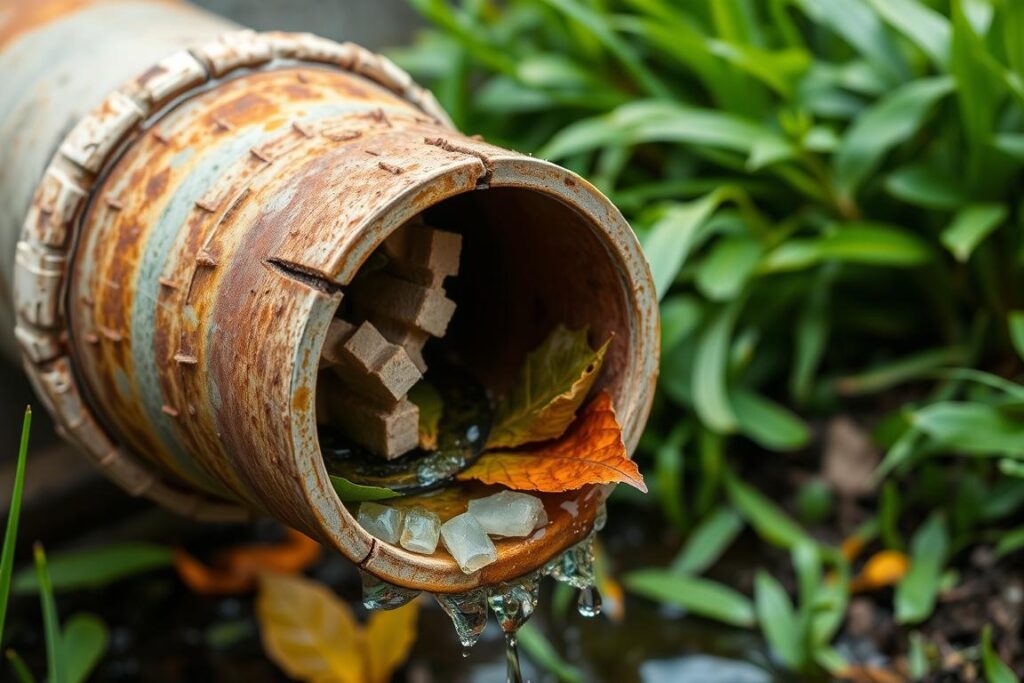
point(829, 193)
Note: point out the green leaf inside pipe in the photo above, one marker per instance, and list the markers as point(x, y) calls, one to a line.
point(350, 492)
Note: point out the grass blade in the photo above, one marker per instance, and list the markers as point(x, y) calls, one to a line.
point(21, 671)
point(972, 428)
point(891, 121)
point(85, 639)
point(670, 241)
point(778, 620)
point(698, 596)
point(767, 423)
point(708, 542)
point(13, 516)
point(917, 591)
point(970, 227)
point(96, 567)
point(925, 27)
point(55, 663)
point(996, 671)
point(621, 49)
point(767, 519)
point(711, 371)
point(1015, 321)
point(543, 654)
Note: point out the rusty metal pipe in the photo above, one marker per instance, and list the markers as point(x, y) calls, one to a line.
point(183, 252)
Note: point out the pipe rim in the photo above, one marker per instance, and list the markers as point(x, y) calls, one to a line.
point(633, 397)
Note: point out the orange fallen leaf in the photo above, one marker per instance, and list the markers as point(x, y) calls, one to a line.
point(852, 546)
point(870, 674)
point(590, 452)
point(884, 568)
point(311, 634)
point(236, 570)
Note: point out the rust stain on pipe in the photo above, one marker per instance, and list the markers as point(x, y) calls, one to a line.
point(191, 241)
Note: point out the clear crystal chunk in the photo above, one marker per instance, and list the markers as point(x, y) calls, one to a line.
point(420, 531)
point(466, 541)
point(509, 513)
point(381, 521)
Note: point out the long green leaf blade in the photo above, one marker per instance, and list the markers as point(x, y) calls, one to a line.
point(96, 567)
point(55, 663)
point(890, 122)
point(13, 517)
point(84, 640)
point(699, 596)
point(917, 592)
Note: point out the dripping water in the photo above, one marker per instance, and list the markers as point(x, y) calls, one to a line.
point(589, 602)
point(514, 674)
point(512, 602)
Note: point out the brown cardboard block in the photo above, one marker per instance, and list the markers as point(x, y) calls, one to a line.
point(388, 431)
point(409, 338)
point(423, 255)
point(338, 331)
point(367, 363)
point(382, 296)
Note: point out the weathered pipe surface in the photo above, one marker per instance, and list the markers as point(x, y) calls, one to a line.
point(183, 252)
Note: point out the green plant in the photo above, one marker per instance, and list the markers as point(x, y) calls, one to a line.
point(72, 652)
point(13, 517)
point(829, 194)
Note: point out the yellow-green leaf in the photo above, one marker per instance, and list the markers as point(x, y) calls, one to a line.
point(390, 636)
point(428, 400)
point(309, 632)
point(551, 385)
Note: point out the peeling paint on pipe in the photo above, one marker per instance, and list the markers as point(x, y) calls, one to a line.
point(183, 252)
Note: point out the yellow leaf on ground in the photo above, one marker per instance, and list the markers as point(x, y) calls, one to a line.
point(591, 452)
point(882, 569)
point(309, 632)
point(551, 385)
point(428, 400)
point(390, 636)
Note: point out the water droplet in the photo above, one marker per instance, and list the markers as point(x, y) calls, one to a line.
point(513, 602)
point(512, 659)
point(378, 594)
point(589, 602)
point(468, 612)
point(601, 518)
point(575, 566)
point(465, 652)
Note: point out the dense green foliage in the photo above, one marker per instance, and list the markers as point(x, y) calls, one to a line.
point(829, 193)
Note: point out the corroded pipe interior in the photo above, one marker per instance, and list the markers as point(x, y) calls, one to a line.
point(530, 262)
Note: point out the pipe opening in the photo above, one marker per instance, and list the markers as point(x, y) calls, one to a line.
point(527, 262)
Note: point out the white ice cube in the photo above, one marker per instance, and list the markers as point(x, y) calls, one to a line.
point(420, 531)
point(468, 543)
point(382, 521)
point(509, 513)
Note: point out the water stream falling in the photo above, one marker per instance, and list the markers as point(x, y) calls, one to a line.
point(512, 602)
